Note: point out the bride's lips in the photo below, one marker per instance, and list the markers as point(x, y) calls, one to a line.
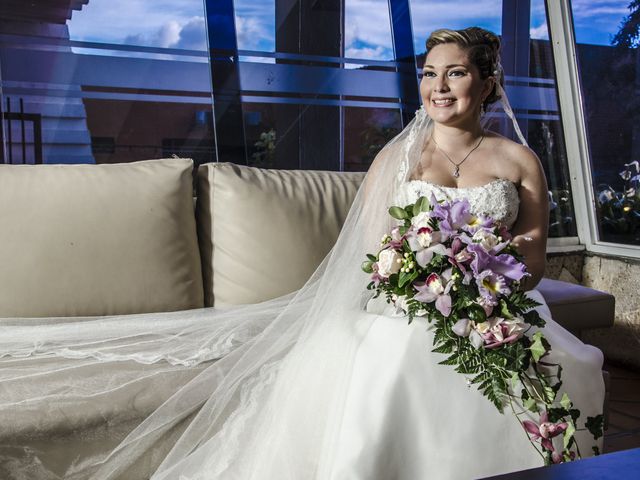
point(443, 102)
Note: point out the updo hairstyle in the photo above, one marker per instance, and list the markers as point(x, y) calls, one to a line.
point(483, 49)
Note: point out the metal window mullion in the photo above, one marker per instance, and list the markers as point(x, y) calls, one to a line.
point(571, 109)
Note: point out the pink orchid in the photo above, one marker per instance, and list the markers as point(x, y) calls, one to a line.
point(544, 431)
point(435, 289)
point(459, 256)
point(426, 243)
point(559, 457)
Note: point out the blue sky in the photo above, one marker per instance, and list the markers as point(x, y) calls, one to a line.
point(180, 24)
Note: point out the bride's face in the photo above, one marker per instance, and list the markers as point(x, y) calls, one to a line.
point(451, 88)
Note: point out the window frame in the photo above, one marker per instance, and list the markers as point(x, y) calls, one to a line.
point(562, 35)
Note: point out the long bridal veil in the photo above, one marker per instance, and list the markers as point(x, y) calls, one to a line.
point(238, 386)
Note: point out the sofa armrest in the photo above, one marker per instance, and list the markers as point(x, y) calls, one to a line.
point(577, 308)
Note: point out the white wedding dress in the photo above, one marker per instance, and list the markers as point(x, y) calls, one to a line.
point(406, 417)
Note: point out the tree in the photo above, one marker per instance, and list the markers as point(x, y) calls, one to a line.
point(629, 34)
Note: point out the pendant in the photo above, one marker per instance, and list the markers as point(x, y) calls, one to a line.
point(456, 172)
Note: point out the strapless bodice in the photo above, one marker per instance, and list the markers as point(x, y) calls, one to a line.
point(498, 198)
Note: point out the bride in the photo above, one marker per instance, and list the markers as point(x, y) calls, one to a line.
point(324, 383)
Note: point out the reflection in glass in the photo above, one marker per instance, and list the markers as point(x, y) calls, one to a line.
point(125, 131)
point(609, 64)
point(430, 15)
point(298, 93)
point(368, 30)
point(110, 87)
point(161, 23)
point(366, 131)
point(255, 25)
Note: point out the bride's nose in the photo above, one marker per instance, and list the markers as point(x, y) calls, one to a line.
point(440, 84)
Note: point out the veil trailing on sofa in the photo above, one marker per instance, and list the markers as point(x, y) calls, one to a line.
point(228, 378)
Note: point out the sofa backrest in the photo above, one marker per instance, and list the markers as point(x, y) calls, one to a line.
point(262, 233)
point(83, 240)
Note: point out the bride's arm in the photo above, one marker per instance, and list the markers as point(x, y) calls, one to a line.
point(531, 227)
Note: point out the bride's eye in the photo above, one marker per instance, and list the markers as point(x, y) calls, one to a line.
point(428, 74)
point(457, 73)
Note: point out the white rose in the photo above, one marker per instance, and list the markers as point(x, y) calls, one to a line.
point(389, 262)
point(421, 220)
point(515, 326)
point(487, 239)
point(483, 327)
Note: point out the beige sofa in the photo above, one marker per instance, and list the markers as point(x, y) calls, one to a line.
point(88, 240)
point(92, 240)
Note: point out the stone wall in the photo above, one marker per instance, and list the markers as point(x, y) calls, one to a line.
point(618, 276)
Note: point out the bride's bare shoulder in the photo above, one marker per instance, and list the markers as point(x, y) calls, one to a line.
point(514, 154)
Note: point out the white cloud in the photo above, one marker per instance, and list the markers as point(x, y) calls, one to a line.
point(586, 9)
point(112, 21)
point(377, 53)
point(540, 33)
point(190, 35)
point(367, 21)
point(193, 35)
point(251, 32)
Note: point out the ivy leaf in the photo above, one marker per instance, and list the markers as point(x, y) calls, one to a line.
point(476, 313)
point(595, 425)
point(566, 402)
point(515, 378)
point(533, 318)
point(556, 414)
point(530, 404)
point(504, 310)
point(568, 434)
point(575, 414)
point(537, 347)
point(398, 213)
point(373, 258)
point(550, 393)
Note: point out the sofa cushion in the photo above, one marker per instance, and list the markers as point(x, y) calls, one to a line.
point(81, 240)
point(577, 308)
point(263, 232)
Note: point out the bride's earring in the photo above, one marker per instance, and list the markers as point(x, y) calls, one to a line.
point(482, 109)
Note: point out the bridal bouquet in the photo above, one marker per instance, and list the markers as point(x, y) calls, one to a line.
point(461, 272)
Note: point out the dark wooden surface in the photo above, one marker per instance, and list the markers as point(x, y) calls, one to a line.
point(612, 466)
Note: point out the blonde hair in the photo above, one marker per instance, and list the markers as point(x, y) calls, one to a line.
point(483, 50)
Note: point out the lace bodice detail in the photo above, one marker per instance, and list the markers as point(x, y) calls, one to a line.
point(498, 198)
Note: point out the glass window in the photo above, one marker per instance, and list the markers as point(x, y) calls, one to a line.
point(255, 23)
point(607, 46)
point(544, 126)
point(366, 131)
point(315, 82)
point(368, 30)
point(108, 87)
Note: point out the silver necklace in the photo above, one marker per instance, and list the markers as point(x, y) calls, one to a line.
point(456, 170)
